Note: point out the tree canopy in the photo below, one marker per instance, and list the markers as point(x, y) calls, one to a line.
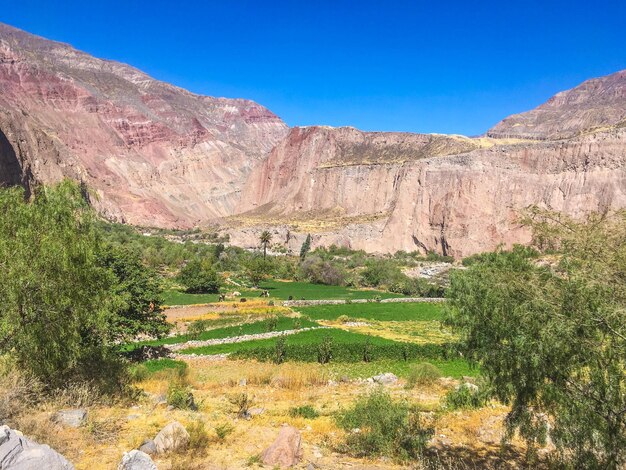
point(548, 328)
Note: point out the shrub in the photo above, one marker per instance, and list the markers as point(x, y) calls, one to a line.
point(325, 350)
point(380, 426)
point(271, 323)
point(423, 374)
point(319, 271)
point(197, 327)
point(242, 403)
point(222, 431)
point(343, 319)
point(367, 351)
point(281, 350)
point(179, 396)
point(466, 396)
point(304, 411)
point(297, 324)
point(198, 436)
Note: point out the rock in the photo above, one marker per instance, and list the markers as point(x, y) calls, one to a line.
point(470, 386)
point(385, 379)
point(72, 418)
point(172, 437)
point(243, 382)
point(20, 453)
point(255, 411)
point(285, 451)
point(136, 460)
point(148, 447)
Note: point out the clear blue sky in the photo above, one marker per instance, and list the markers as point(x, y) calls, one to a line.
point(453, 67)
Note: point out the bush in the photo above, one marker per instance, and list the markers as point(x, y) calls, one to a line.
point(343, 319)
point(271, 323)
point(179, 396)
point(367, 351)
point(197, 327)
point(200, 278)
point(423, 374)
point(325, 350)
point(198, 436)
point(304, 411)
point(380, 272)
point(242, 403)
point(466, 396)
point(222, 431)
point(379, 426)
point(281, 350)
point(319, 271)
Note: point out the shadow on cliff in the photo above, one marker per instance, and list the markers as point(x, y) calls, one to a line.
point(11, 173)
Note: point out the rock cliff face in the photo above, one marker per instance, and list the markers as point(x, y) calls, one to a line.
point(449, 194)
point(155, 154)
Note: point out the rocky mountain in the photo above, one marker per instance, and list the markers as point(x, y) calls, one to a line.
point(454, 195)
point(154, 154)
point(157, 155)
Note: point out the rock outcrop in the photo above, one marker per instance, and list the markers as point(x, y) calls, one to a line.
point(171, 438)
point(452, 203)
point(20, 453)
point(285, 451)
point(153, 154)
point(136, 460)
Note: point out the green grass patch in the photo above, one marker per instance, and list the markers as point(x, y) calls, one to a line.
point(455, 368)
point(263, 326)
point(346, 347)
point(414, 311)
point(279, 290)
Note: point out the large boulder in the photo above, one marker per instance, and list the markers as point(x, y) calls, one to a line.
point(20, 453)
point(172, 437)
point(136, 460)
point(73, 418)
point(285, 451)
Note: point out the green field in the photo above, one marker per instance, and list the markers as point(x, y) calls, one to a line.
point(418, 311)
point(282, 324)
point(280, 290)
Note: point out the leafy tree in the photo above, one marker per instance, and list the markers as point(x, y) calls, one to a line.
point(265, 238)
point(138, 293)
point(57, 299)
point(549, 333)
point(257, 270)
point(200, 278)
point(306, 247)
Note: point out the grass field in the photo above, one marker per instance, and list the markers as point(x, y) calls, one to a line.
point(421, 311)
point(282, 324)
point(279, 290)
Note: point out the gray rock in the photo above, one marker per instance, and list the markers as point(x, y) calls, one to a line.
point(469, 386)
point(73, 418)
point(172, 437)
point(148, 447)
point(386, 379)
point(20, 453)
point(136, 460)
point(255, 411)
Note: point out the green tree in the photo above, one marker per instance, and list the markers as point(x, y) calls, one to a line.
point(57, 299)
point(200, 278)
point(138, 291)
point(266, 238)
point(257, 270)
point(306, 247)
point(549, 333)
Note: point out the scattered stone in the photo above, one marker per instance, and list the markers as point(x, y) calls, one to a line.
point(71, 418)
point(386, 379)
point(172, 437)
point(132, 417)
point(243, 382)
point(20, 453)
point(285, 451)
point(255, 411)
point(148, 447)
point(136, 460)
